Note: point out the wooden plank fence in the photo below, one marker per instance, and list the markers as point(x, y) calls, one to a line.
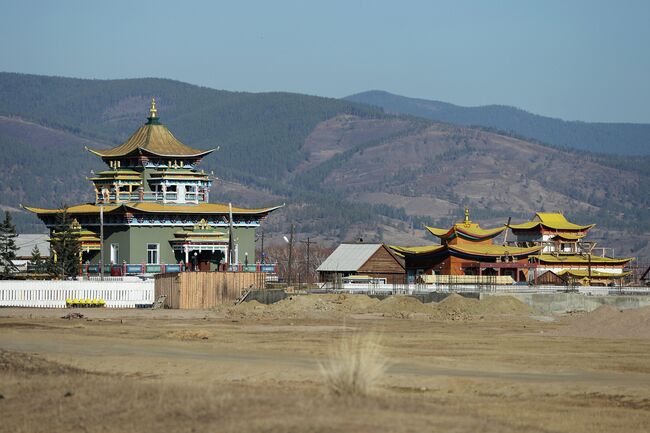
point(198, 290)
point(53, 293)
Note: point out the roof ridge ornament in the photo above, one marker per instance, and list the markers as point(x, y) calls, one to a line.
point(153, 114)
point(467, 221)
point(152, 110)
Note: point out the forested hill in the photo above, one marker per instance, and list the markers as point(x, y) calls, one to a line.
point(259, 133)
point(610, 138)
point(346, 170)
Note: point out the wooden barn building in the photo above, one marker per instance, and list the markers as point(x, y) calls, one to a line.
point(367, 261)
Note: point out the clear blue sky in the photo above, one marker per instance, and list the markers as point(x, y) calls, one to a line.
point(577, 60)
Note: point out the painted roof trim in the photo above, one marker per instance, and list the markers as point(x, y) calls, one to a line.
point(207, 208)
point(421, 250)
point(154, 139)
point(576, 258)
point(493, 250)
point(550, 220)
point(473, 232)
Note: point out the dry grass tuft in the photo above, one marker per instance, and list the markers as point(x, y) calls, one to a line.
point(355, 366)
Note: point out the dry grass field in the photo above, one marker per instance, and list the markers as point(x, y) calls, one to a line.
point(458, 366)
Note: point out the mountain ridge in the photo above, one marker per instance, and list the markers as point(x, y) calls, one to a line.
point(346, 170)
point(600, 137)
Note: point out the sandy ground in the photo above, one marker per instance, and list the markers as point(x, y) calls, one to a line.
point(253, 368)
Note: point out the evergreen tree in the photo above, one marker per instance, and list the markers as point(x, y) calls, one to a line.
point(36, 263)
point(8, 246)
point(64, 247)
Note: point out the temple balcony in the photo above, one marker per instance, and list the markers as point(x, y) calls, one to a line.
point(158, 197)
point(150, 269)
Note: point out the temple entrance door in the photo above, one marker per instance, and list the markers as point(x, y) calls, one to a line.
point(204, 261)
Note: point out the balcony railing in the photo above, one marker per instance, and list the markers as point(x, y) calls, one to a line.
point(142, 268)
point(152, 196)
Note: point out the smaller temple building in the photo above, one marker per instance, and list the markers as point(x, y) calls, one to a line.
point(467, 249)
point(565, 251)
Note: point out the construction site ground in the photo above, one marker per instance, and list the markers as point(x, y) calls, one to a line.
point(457, 366)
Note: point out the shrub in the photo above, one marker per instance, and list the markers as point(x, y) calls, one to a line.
point(355, 366)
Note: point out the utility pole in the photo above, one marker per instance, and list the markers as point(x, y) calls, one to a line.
point(290, 254)
point(230, 242)
point(101, 242)
point(308, 243)
point(505, 233)
point(260, 238)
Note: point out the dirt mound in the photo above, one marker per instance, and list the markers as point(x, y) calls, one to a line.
point(455, 302)
point(454, 307)
point(609, 322)
point(401, 304)
point(504, 305)
point(250, 305)
point(307, 306)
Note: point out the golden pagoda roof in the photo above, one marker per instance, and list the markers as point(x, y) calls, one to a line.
point(472, 230)
point(582, 273)
point(76, 209)
point(178, 173)
point(493, 250)
point(202, 231)
point(152, 138)
point(466, 229)
point(123, 174)
point(579, 258)
point(205, 208)
point(569, 236)
point(554, 221)
point(87, 239)
point(428, 249)
point(468, 248)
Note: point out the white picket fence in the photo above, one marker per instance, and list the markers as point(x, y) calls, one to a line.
point(53, 294)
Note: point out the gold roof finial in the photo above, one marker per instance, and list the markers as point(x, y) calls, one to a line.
point(74, 225)
point(153, 110)
point(467, 216)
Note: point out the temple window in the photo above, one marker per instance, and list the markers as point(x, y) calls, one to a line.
point(115, 253)
point(153, 254)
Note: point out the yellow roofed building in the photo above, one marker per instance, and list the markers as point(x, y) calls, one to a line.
point(566, 251)
point(153, 203)
point(467, 249)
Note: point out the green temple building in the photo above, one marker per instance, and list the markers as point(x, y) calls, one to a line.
point(152, 205)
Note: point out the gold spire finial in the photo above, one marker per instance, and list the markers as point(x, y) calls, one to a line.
point(74, 225)
point(153, 110)
point(466, 216)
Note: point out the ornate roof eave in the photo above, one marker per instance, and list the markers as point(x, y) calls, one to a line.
point(417, 251)
point(477, 234)
point(550, 221)
point(580, 259)
point(151, 139)
point(145, 152)
point(205, 208)
point(84, 208)
point(581, 273)
point(494, 250)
